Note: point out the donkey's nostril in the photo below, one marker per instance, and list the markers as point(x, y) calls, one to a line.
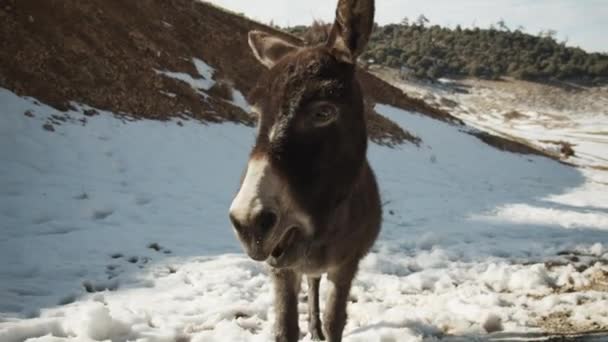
point(266, 220)
point(259, 225)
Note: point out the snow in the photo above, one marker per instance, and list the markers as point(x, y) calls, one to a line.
point(203, 83)
point(238, 100)
point(526, 214)
point(587, 133)
point(118, 230)
point(544, 115)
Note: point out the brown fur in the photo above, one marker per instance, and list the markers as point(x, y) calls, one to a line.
point(323, 165)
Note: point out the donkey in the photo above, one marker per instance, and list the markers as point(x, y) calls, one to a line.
point(308, 203)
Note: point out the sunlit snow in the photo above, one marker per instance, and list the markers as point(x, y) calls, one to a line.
point(118, 230)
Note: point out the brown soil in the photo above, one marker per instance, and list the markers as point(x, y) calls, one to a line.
point(560, 323)
point(104, 53)
point(511, 145)
point(222, 90)
point(565, 148)
point(514, 115)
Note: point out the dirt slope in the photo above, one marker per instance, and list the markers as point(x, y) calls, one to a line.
point(104, 53)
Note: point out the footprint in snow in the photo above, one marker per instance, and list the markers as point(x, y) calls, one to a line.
point(99, 286)
point(139, 261)
point(158, 248)
point(48, 127)
point(142, 200)
point(82, 196)
point(100, 214)
point(42, 219)
point(133, 259)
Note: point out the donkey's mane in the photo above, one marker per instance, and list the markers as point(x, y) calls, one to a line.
point(317, 34)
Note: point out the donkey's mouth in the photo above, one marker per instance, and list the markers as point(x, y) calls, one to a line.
point(286, 241)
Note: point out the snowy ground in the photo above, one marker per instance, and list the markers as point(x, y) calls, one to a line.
point(118, 230)
point(539, 115)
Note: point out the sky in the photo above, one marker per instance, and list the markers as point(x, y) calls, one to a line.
point(582, 23)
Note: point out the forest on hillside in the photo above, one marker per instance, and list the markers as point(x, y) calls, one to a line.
point(431, 51)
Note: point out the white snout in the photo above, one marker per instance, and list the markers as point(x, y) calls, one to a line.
point(264, 190)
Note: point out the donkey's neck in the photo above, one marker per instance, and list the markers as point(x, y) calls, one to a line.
point(342, 212)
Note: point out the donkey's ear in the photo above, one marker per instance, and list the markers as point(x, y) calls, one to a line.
point(352, 28)
point(269, 49)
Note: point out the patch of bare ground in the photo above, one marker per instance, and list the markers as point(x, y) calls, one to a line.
point(594, 266)
point(221, 89)
point(566, 149)
point(561, 323)
point(598, 281)
point(512, 144)
point(106, 54)
point(507, 336)
point(513, 115)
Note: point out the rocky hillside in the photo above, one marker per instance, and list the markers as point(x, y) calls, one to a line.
point(116, 55)
point(160, 59)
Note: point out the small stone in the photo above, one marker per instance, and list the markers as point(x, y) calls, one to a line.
point(492, 323)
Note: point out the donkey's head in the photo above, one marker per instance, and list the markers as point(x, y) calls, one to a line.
point(311, 138)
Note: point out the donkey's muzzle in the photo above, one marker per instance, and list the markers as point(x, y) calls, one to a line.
point(259, 225)
point(254, 230)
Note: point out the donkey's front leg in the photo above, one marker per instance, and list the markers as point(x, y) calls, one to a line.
point(286, 288)
point(314, 323)
point(334, 318)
